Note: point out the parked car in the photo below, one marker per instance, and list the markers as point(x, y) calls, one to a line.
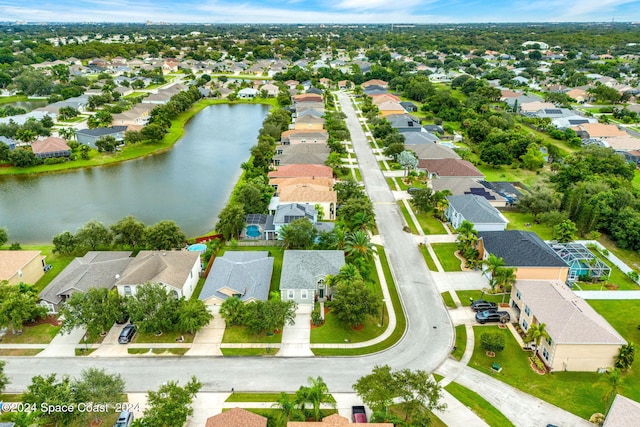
point(127, 334)
point(122, 318)
point(482, 305)
point(124, 419)
point(358, 414)
point(413, 190)
point(492, 316)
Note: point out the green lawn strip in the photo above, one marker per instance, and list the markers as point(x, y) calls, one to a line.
point(465, 297)
point(255, 397)
point(138, 350)
point(407, 217)
point(16, 98)
point(577, 392)
point(636, 179)
point(232, 352)
point(427, 257)
point(429, 223)
point(84, 351)
point(478, 405)
point(166, 337)
point(461, 342)
point(401, 321)
point(19, 351)
point(391, 183)
point(518, 221)
point(445, 254)
point(358, 175)
point(448, 299)
point(399, 412)
point(239, 335)
point(277, 252)
point(198, 289)
point(129, 152)
point(438, 377)
point(41, 333)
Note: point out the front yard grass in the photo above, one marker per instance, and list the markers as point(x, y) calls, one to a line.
point(166, 337)
point(407, 217)
point(427, 257)
point(232, 352)
point(467, 296)
point(517, 221)
point(445, 253)
point(448, 299)
point(19, 351)
point(478, 405)
point(507, 173)
point(429, 223)
point(41, 333)
point(239, 335)
point(461, 342)
point(255, 397)
point(577, 392)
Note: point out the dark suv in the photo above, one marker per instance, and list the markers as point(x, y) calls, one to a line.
point(492, 316)
point(127, 334)
point(482, 305)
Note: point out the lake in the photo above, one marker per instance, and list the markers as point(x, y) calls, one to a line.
point(189, 184)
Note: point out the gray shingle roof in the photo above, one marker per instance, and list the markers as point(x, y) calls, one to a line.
point(247, 273)
point(94, 270)
point(102, 131)
point(459, 186)
point(431, 151)
point(624, 412)
point(286, 213)
point(476, 209)
point(302, 269)
point(167, 267)
point(415, 138)
point(520, 249)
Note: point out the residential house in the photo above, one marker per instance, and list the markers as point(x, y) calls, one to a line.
point(272, 90)
point(90, 136)
point(308, 122)
point(375, 82)
point(302, 170)
point(21, 267)
point(50, 147)
point(449, 168)
point(236, 417)
point(409, 106)
point(307, 97)
point(390, 107)
point(532, 107)
point(93, 270)
point(477, 210)
point(580, 339)
point(310, 191)
point(178, 271)
point(309, 105)
point(78, 102)
point(292, 84)
point(304, 274)
point(622, 143)
point(247, 92)
point(335, 420)
point(632, 156)
point(580, 95)
point(10, 142)
point(315, 154)
point(525, 251)
point(599, 130)
point(404, 122)
point(623, 412)
point(242, 274)
point(429, 151)
point(420, 138)
point(297, 136)
point(378, 99)
point(462, 186)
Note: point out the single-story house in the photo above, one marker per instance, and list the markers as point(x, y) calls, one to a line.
point(532, 107)
point(477, 210)
point(461, 186)
point(624, 412)
point(418, 138)
point(409, 106)
point(306, 97)
point(380, 98)
point(93, 270)
point(247, 92)
point(90, 136)
point(311, 154)
point(580, 339)
point(335, 420)
point(308, 122)
point(404, 122)
point(318, 191)
point(297, 136)
point(375, 82)
point(622, 143)
point(243, 274)
point(272, 90)
point(236, 417)
point(301, 171)
point(178, 271)
point(390, 107)
point(50, 147)
point(304, 273)
point(599, 130)
point(525, 251)
point(430, 151)
point(449, 168)
point(21, 266)
point(10, 142)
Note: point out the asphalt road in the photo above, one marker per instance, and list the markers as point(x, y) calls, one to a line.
point(425, 345)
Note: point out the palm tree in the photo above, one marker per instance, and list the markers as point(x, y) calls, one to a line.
point(316, 394)
point(358, 245)
point(286, 405)
point(536, 332)
point(625, 357)
point(505, 278)
point(363, 221)
point(614, 378)
point(492, 264)
point(340, 238)
point(442, 203)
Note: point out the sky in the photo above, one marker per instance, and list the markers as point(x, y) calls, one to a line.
point(320, 11)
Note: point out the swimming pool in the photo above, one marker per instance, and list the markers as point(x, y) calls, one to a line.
point(253, 231)
point(198, 247)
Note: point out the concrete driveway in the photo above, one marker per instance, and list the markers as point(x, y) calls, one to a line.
point(296, 337)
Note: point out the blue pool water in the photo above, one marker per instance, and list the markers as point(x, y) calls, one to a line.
point(198, 247)
point(253, 231)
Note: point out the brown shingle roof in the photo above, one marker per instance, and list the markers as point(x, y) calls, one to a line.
point(12, 261)
point(302, 170)
point(600, 130)
point(49, 145)
point(236, 417)
point(376, 82)
point(168, 267)
point(449, 167)
point(306, 193)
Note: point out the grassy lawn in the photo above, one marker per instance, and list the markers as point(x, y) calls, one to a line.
point(427, 257)
point(166, 337)
point(401, 321)
point(448, 300)
point(466, 295)
point(518, 220)
point(239, 334)
point(391, 183)
point(41, 333)
point(84, 351)
point(577, 392)
point(358, 174)
point(275, 251)
point(507, 173)
point(445, 254)
point(255, 397)
point(430, 224)
point(14, 98)
point(629, 257)
point(617, 278)
point(233, 352)
point(20, 351)
point(407, 217)
point(461, 342)
point(478, 405)
point(58, 262)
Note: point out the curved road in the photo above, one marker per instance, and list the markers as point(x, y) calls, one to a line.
point(426, 344)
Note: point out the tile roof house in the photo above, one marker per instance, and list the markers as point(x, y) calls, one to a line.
point(178, 271)
point(580, 338)
point(21, 266)
point(461, 186)
point(246, 275)
point(524, 250)
point(599, 130)
point(236, 417)
point(318, 191)
point(304, 272)
point(50, 147)
point(93, 270)
point(314, 154)
point(477, 210)
point(622, 143)
point(302, 170)
point(375, 82)
point(624, 412)
point(449, 168)
point(335, 420)
point(308, 122)
point(390, 107)
point(303, 136)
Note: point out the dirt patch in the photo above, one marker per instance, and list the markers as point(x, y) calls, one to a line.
point(358, 328)
point(316, 326)
point(52, 320)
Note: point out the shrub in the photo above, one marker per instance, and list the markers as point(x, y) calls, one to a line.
point(54, 160)
point(316, 317)
point(493, 342)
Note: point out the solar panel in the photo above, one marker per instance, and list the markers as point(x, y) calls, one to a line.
point(553, 111)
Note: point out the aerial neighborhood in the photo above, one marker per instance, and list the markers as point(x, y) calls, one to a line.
point(319, 225)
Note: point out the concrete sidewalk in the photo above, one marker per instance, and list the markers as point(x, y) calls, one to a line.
point(63, 345)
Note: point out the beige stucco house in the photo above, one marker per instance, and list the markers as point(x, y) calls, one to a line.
point(580, 339)
point(21, 266)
